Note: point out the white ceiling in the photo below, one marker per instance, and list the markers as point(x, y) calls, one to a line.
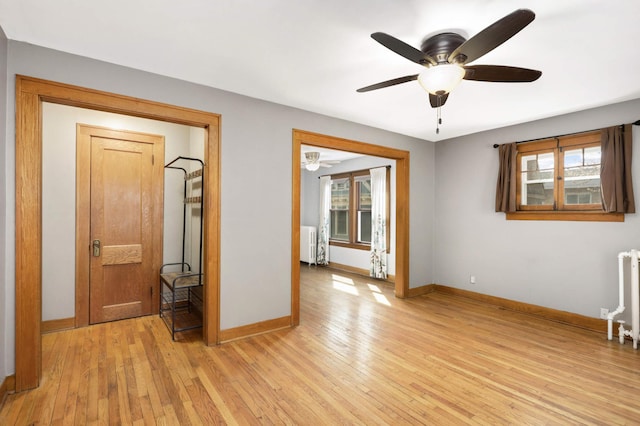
point(314, 54)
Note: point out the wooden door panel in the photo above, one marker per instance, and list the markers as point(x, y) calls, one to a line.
point(122, 254)
point(121, 301)
point(121, 275)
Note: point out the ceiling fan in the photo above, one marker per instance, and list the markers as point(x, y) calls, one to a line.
point(446, 55)
point(312, 161)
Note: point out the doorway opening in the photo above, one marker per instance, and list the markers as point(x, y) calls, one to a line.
point(401, 158)
point(31, 93)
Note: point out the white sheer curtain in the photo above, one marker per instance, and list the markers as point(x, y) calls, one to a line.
point(378, 267)
point(324, 223)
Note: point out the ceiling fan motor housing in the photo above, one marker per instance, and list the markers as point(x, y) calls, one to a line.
point(440, 46)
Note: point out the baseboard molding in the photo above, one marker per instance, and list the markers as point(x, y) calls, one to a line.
point(576, 320)
point(360, 271)
point(419, 291)
point(8, 386)
point(253, 329)
point(57, 325)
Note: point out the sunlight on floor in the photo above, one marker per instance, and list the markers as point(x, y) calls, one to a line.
point(347, 285)
point(342, 279)
point(381, 298)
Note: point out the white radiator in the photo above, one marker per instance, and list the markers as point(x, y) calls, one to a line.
point(634, 331)
point(308, 244)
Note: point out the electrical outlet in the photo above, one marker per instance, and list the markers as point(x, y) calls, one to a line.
point(472, 279)
point(603, 313)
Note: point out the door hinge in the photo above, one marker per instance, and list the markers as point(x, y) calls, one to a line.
point(153, 159)
point(151, 290)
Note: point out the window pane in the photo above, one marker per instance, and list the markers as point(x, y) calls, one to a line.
point(592, 155)
point(582, 178)
point(364, 226)
point(573, 158)
point(340, 194)
point(364, 194)
point(537, 179)
point(340, 225)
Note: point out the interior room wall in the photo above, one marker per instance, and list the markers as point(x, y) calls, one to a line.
point(7, 244)
point(310, 200)
point(58, 195)
point(570, 266)
point(256, 182)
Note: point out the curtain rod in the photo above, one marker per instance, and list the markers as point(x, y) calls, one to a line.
point(496, 145)
point(387, 166)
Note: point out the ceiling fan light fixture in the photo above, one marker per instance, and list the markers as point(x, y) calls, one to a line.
point(313, 161)
point(441, 79)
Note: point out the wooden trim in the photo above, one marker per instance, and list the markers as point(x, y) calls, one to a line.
point(566, 216)
point(557, 146)
point(593, 138)
point(577, 320)
point(419, 291)
point(58, 325)
point(84, 133)
point(295, 232)
point(262, 327)
point(30, 93)
point(8, 386)
point(537, 145)
point(360, 271)
point(28, 237)
point(353, 208)
point(401, 157)
point(345, 244)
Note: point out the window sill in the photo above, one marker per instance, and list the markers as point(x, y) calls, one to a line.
point(361, 246)
point(350, 245)
point(576, 216)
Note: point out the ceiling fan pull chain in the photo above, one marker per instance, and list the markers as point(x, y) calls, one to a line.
point(438, 118)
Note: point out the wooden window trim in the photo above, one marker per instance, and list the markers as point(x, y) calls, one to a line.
point(353, 209)
point(578, 216)
point(559, 211)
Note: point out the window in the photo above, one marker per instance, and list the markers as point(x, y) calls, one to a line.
point(350, 211)
point(363, 199)
point(560, 174)
point(340, 189)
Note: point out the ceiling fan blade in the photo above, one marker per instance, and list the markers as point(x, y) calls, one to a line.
point(492, 36)
point(437, 100)
point(403, 49)
point(501, 74)
point(388, 83)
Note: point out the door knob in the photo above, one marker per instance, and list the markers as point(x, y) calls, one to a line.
point(96, 248)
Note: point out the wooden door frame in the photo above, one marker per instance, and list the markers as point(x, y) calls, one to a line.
point(30, 94)
point(301, 137)
point(84, 133)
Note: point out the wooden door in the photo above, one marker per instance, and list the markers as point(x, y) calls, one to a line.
point(125, 223)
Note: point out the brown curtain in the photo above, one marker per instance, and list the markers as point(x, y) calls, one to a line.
point(506, 187)
point(615, 171)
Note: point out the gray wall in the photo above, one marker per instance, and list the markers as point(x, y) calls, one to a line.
point(255, 180)
point(571, 266)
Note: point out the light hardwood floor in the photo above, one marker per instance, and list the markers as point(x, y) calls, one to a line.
point(359, 356)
